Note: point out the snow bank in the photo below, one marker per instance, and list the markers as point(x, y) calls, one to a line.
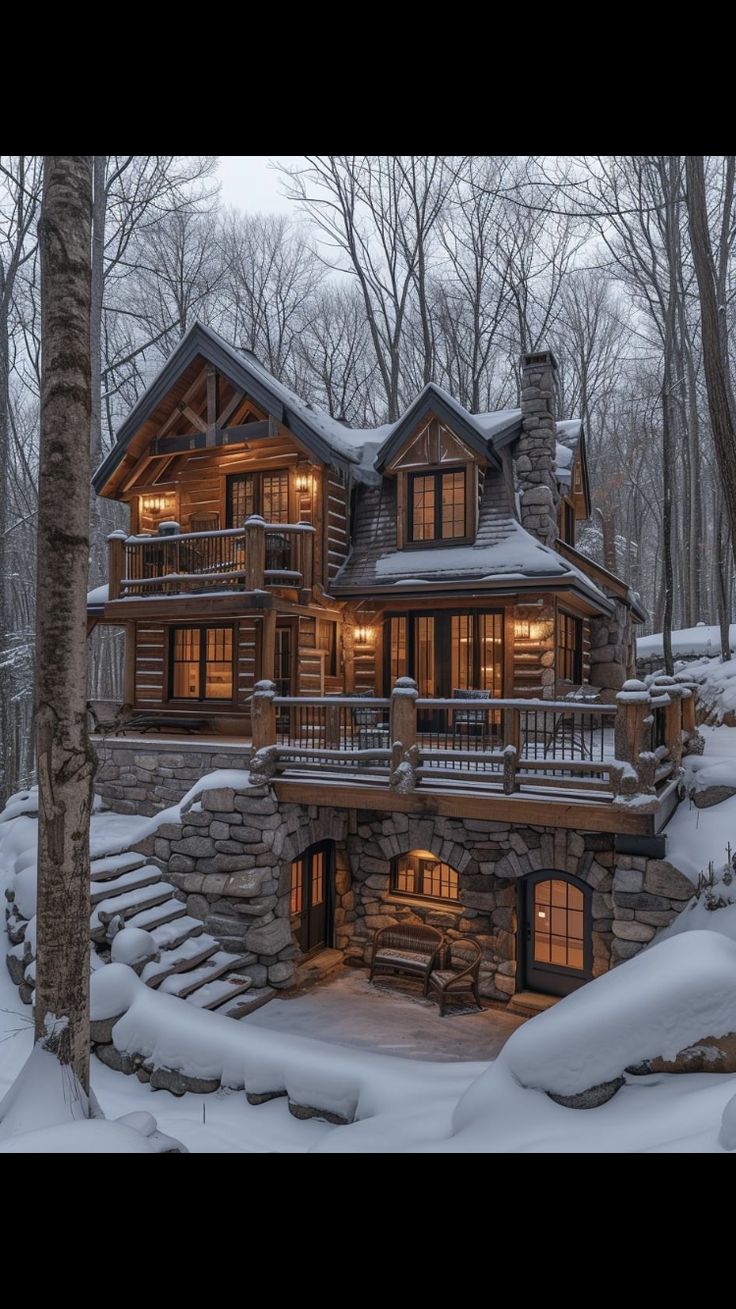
point(687, 642)
point(93, 1136)
point(716, 685)
point(670, 996)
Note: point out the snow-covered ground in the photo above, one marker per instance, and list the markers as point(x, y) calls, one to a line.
point(687, 642)
point(657, 1003)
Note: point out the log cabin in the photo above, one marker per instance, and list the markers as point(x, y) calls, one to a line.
point(401, 615)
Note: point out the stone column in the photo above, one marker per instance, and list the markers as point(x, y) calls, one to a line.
point(537, 453)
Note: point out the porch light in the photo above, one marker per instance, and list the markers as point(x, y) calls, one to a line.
point(303, 482)
point(157, 504)
point(363, 635)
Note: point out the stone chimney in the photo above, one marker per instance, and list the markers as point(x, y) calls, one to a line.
point(537, 456)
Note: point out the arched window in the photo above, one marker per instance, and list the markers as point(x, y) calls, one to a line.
point(420, 873)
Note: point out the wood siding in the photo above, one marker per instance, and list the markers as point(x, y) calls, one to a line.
point(336, 524)
point(150, 663)
point(248, 637)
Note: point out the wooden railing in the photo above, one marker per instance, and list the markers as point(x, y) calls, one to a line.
point(605, 752)
point(247, 558)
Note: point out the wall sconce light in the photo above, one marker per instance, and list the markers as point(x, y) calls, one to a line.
point(522, 628)
point(363, 635)
point(303, 482)
point(157, 504)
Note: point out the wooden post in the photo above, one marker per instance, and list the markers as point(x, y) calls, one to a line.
point(268, 644)
point(307, 557)
point(689, 703)
point(255, 553)
point(512, 728)
point(129, 683)
point(332, 726)
point(664, 686)
point(404, 713)
point(263, 715)
point(115, 563)
point(633, 706)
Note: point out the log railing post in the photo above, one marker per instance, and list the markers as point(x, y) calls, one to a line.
point(512, 728)
point(306, 567)
point(633, 707)
point(115, 563)
point(403, 718)
point(667, 686)
point(255, 552)
point(263, 715)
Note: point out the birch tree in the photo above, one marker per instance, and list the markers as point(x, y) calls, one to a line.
point(64, 755)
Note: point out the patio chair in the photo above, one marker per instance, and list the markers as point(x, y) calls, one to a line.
point(406, 948)
point(458, 972)
point(471, 722)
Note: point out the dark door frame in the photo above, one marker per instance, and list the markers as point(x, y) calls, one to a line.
point(552, 979)
point(308, 946)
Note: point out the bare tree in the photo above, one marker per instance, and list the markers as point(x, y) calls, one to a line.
point(65, 758)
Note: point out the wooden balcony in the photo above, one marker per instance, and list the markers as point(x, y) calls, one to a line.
point(254, 557)
point(619, 763)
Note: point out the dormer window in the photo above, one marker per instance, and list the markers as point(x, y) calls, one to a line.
point(437, 505)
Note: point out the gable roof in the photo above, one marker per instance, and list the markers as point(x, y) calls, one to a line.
point(318, 432)
point(434, 400)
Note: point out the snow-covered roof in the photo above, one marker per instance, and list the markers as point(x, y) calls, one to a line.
point(98, 597)
point(361, 449)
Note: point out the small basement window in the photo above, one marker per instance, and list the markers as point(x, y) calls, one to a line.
point(420, 873)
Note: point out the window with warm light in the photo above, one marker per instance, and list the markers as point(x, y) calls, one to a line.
point(421, 874)
point(437, 506)
point(569, 649)
point(201, 663)
point(559, 924)
point(266, 494)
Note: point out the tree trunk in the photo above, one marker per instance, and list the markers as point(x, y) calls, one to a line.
point(98, 552)
point(715, 355)
point(65, 758)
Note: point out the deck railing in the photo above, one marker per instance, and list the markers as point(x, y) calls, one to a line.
point(248, 558)
point(597, 751)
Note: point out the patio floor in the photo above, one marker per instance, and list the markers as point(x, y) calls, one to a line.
point(389, 1017)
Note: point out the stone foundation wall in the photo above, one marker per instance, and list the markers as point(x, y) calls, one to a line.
point(144, 777)
point(230, 858)
point(611, 649)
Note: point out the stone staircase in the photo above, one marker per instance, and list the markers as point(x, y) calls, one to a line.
point(168, 948)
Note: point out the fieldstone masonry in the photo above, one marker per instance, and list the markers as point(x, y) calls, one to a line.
point(537, 453)
point(134, 777)
point(230, 858)
point(611, 648)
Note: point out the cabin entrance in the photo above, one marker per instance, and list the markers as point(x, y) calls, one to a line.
point(556, 941)
point(311, 896)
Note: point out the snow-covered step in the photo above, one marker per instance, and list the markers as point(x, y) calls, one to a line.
point(214, 994)
point(147, 875)
point(151, 919)
point(133, 902)
point(172, 934)
point(219, 963)
point(114, 864)
point(189, 954)
point(246, 1003)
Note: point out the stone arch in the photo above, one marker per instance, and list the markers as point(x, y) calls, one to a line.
point(306, 828)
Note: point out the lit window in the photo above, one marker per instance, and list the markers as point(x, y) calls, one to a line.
point(266, 494)
point(420, 873)
point(437, 506)
point(202, 663)
point(569, 649)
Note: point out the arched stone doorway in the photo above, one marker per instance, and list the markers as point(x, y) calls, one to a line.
point(556, 944)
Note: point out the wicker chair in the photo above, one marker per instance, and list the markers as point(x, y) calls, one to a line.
point(409, 948)
point(458, 974)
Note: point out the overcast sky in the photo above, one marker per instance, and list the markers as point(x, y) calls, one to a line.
point(249, 182)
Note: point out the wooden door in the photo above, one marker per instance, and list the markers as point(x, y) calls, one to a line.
point(311, 897)
point(558, 950)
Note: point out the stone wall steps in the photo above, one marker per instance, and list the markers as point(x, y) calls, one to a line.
point(150, 919)
point(247, 1002)
point(115, 864)
point(129, 904)
point(215, 994)
point(146, 875)
point(174, 932)
point(190, 954)
point(183, 984)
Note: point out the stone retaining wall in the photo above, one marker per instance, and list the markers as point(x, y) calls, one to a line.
point(144, 777)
